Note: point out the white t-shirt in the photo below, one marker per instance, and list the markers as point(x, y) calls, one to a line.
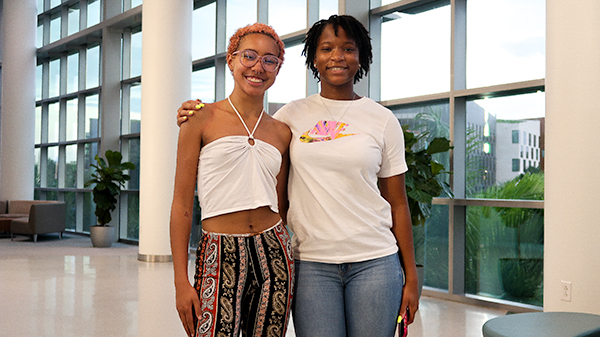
point(337, 154)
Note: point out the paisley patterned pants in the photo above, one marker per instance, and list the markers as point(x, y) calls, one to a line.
point(245, 283)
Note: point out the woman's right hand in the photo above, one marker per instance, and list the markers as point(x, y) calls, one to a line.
point(188, 305)
point(187, 109)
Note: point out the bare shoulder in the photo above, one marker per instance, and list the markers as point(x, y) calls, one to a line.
point(281, 128)
point(200, 122)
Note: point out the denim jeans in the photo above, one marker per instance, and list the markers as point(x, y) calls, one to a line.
point(360, 299)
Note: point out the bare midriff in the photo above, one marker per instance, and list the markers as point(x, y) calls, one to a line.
point(242, 222)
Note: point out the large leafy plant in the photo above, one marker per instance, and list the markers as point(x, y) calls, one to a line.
point(527, 186)
point(424, 176)
point(109, 179)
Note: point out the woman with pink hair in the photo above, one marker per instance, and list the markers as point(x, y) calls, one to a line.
point(238, 157)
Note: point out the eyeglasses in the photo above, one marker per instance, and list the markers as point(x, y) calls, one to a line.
point(248, 58)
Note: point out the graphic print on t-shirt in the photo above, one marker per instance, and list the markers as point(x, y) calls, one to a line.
point(325, 131)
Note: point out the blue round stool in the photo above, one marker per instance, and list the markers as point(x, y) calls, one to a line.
point(543, 324)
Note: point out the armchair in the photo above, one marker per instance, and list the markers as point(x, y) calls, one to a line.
point(44, 217)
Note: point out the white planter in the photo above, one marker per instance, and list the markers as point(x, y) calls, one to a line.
point(102, 236)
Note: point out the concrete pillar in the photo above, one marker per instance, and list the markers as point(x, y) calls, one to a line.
point(572, 158)
point(360, 10)
point(19, 26)
point(166, 82)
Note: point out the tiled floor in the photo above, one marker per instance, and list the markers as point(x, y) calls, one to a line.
point(67, 288)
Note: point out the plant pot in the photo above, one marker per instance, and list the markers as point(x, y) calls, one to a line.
point(102, 236)
point(521, 278)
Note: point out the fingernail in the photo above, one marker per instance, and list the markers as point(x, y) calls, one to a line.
point(191, 112)
point(184, 118)
point(199, 106)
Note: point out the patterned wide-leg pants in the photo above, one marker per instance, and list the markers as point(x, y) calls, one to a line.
point(245, 283)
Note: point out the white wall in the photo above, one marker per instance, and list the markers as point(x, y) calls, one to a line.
point(572, 213)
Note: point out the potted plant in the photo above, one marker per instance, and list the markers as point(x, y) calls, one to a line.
point(109, 179)
point(522, 276)
point(423, 179)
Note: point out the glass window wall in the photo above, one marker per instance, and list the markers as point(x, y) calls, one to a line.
point(53, 122)
point(71, 166)
point(92, 67)
point(38, 82)
point(39, 36)
point(54, 85)
point(92, 120)
point(71, 120)
point(504, 253)
point(203, 84)
point(505, 41)
point(136, 54)
point(135, 108)
point(493, 123)
point(410, 67)
point(55, 27)
point(239, 14)
point(52, 167)
point(73, 17)
point(290, 83)
point(287, 16)
point(73, 73)
point(94, 11)
point(204, 31)
point(327, 8)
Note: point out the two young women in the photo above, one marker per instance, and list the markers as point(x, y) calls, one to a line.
point(348, 232)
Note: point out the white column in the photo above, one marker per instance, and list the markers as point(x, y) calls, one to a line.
point(19, 26)
point(359, 9)
point(572, 157)
point(166, 82)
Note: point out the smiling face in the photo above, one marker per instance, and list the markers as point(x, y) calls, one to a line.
point(336, 59)
point(253, 80)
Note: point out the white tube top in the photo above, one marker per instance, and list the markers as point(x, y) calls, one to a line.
point(235, 176)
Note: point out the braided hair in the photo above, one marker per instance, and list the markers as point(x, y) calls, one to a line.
point(354, 30)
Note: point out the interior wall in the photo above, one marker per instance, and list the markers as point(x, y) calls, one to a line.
point(572, 214)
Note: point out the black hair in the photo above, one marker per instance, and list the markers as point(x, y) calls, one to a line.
point(355, 31)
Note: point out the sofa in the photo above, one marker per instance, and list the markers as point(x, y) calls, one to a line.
point(4, 225)
point(33, 217)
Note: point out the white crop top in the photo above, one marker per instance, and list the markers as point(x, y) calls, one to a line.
point(234, 175)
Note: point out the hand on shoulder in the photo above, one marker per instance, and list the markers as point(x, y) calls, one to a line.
point(187, 109)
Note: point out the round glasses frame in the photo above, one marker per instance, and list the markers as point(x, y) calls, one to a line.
point(248, 58)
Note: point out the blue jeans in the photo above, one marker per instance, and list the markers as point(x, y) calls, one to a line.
point(360, 299)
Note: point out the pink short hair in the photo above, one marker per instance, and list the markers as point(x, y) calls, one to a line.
point(261, 28)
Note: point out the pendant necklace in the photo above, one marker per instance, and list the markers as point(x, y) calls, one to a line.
point(250, 134)
point(343, 114)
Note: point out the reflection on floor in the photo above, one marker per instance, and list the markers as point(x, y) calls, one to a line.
point(67, 288)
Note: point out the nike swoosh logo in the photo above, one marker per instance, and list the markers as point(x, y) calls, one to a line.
point(325, 131)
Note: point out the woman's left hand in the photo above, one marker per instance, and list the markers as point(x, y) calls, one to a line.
point(410, 300)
